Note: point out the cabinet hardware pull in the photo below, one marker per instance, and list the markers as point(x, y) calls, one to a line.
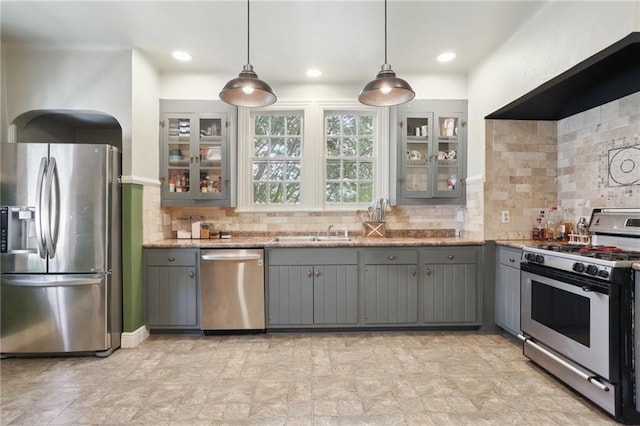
point(392, 257)
point(511, 259)
point(317, 273)
point(413, 272)
point(171, 258)
point(192, 274)
point(428, 271)
point(450, 257)
point(309, 274)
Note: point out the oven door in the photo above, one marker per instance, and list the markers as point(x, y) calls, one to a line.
point(567, 313)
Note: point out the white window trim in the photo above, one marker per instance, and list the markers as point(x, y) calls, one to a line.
point(313, 172)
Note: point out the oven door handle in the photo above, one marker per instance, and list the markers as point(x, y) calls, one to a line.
point(588, 378)
point(587, 288)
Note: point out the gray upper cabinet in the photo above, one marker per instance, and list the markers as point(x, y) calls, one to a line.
point(507, 307)
point(171, 277)
point(451, 291)
point(431, 152)
point(308, 287)
point(391, 286)
point(197, 164)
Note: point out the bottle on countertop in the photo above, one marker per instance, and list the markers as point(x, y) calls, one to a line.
point(582, 227)
point(552, 224)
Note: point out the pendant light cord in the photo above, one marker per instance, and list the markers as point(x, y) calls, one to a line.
point(248, 26)
point(385, 32)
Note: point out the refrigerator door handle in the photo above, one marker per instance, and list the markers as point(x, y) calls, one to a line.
point(52, 203)
point(64, 282)
point(42, 249)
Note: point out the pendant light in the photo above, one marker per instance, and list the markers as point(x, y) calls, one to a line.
point(247, 90)
point(386, 89)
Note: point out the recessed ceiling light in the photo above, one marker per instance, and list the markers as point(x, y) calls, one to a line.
point(446, 57)
point(181, 56)
point(312, 72)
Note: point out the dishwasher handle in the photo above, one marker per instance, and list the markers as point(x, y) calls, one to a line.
point(230, 257)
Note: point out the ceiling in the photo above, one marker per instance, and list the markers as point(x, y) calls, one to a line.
point(345, 39)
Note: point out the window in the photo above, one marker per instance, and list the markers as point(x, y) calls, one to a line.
point(312, 156)
point(349, 157)
point(276, 158)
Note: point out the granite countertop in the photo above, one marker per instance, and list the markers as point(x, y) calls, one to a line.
point(518, 243)
point(267, 242)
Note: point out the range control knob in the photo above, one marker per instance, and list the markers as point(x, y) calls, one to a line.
point(578, 267)
point(592, 270)
point(530, 257)
point(539, 258)
point(603, 273)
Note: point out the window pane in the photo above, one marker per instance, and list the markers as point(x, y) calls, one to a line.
point(333, 170)
point(349, 125)
point(294, 147)
point(277, 125)
point(259, 193)
point(333, 192)
point(365, 193)
point(276, 171)
point(333, 125)
point(261, 147)
point(293, 170)
point(365, 171)
point(260, 170)
point(333, 147)
point(351, 170)
point(365, 125)
point(277, 147)
point(366, 147)
point(275, 193)
point(350, 147)
point(349, 192)
point(294, 125)
point(261, 125)
point(292, 193)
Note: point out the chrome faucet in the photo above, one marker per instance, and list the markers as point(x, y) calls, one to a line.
point(329, 230)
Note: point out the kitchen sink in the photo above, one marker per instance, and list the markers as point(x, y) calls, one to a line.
point(308, 239)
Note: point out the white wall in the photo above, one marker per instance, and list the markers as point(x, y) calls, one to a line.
point(560, 35)
point(207, 86)
point(144, 151)
point(97, 80)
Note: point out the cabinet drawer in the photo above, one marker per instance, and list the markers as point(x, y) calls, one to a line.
point(453, 254)
point(313, 256)
point(509, 257)
point(390, 257)
point(172, 257)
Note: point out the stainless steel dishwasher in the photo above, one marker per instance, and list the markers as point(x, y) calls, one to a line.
point(232, 289)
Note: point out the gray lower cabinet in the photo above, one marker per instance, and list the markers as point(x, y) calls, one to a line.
point(451, 293)
point(171, 280)
point(312, 287)
point(390, 286)
point(507, 305)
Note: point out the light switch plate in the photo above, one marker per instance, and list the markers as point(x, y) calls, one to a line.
point(459, 215)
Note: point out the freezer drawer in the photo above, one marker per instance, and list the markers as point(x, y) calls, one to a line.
point(232, 289)
point(54, 313)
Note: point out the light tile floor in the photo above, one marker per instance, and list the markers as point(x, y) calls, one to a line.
point(396, 378)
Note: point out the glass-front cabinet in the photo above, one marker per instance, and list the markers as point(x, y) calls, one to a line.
point(195, 159)
point(431, 151)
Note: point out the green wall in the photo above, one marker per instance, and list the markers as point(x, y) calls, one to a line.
point(132, 275)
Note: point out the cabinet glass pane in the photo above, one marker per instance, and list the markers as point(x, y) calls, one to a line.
point(179, 129)
point(447, 156)
point(417, 155)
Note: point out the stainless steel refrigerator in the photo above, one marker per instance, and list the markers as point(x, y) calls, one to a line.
point(60, 248)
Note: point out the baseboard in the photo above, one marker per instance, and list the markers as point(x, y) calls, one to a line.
point(134, 338)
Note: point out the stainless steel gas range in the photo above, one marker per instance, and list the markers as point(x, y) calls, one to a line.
point(577, 311)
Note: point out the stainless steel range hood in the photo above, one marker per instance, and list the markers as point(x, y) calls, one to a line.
point(608, 75)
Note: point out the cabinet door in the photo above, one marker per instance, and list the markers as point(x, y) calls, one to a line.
point(178, 136)
point(448, 155)
point(211, 160)
point(335, 294)
point(508, 299)
point(450, 293)
point(172, 300)
point(391, 294)
point(415, 156)
point(291, 295)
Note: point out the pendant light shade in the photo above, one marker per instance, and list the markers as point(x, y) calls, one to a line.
point(247, 90)
point(386, 89)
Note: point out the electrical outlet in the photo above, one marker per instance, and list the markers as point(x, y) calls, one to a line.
point(459, 216)
point(505, 216)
